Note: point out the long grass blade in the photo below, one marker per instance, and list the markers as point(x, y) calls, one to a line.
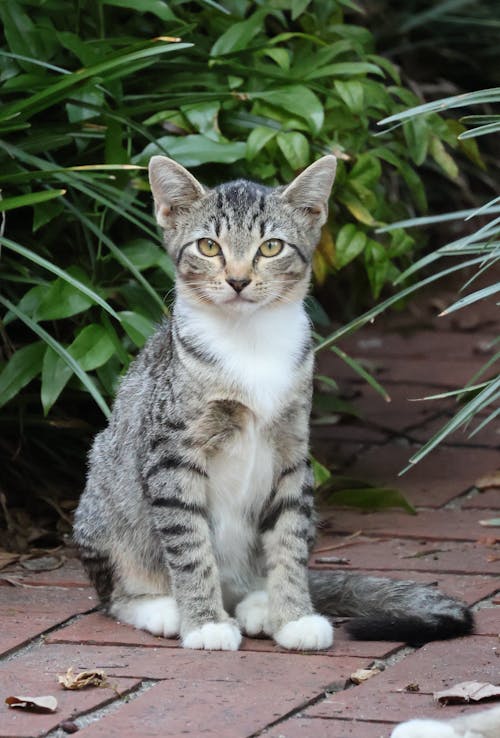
point(359, 369)
point(461, 417)
point(370, 315)
point(40, 261)
point(59, 349)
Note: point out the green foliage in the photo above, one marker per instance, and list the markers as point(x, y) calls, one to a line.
point(483, 244)
point(91, 90)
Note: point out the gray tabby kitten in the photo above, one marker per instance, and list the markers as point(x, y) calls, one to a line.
point(197, 518)
point(485, 724)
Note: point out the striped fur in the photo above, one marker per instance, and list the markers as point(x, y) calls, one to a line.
point(198, 517)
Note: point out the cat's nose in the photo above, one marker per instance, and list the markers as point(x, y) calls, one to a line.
point(237, 284)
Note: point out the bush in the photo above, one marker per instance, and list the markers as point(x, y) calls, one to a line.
point(233, 88)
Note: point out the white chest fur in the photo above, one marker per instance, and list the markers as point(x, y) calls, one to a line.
point(256, 352)
point(240, 480)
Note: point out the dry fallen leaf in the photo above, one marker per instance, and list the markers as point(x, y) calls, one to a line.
point(467, 692)
point(35, 704)
point(7, 558)
point(488, 480)
point(42, 563)
point(361, 675)
point(91, 678)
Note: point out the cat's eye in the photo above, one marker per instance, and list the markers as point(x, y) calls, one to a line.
point(208, 247)
point(273, 247)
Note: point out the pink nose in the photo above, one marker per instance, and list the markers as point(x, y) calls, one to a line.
point(237, 284)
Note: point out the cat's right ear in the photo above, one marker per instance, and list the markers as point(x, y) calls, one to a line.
point(173, 188)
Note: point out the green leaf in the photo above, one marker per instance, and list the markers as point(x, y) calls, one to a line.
point(21, 33)
point(321, 473)
point(295, 148)
point(298, 100)
point(238, 35)
point(156, 7)
point(32, 198)
point(443, 158)
point(298, 6)
point(356, 207)
point(371, 498)
point(43, 213)
point(137, 327)
point(345, 69)
point(377, 264)
point(22, 367)
point(352, 93)
point(66, 275)
point(143, 255)
point(55, 375)
point(62, 299)
point(350, 243)
point(203, 117)
point(92, 347)
point(53, 343)
point(417, 135)
point(120, 63)
point(257, 139)
point(195, 149)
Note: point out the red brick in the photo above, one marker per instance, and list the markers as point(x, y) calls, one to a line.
point(397, 554)
point(434, 667)
point(388, 707)
point(312, 727)
point(431, 525)
point(25, 612)
point(444, 474)
point(28, 677)
point(488, 436)
point(369, 342)
point(202, 692)
point(488, 621)
point(97, 629)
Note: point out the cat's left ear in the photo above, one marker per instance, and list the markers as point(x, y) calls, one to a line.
point(173, 188)
point(311, 189)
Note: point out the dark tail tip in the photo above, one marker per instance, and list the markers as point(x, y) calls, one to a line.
point(411, 629)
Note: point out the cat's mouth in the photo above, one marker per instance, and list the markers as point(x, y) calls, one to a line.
point(237, 299)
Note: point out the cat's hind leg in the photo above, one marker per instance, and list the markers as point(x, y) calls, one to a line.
point(157, 614)
point(132, 593)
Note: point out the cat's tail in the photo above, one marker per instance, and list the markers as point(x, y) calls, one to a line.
point(389, 609)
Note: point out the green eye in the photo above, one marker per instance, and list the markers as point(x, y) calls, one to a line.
point(273, 247)
point(208, 247)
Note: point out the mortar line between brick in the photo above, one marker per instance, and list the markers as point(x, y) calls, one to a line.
point(38, 639)
point(92, 715)
point(396, 656)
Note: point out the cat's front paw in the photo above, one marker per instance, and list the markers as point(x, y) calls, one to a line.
point(252, 614)
point(311, 632)
point(214, 637)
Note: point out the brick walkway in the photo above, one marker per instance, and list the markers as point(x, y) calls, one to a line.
point(49, 621)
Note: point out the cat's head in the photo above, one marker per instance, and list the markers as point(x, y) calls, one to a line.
point(241, 246)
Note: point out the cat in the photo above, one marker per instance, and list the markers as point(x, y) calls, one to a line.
point(485, 724)
point(198, 514)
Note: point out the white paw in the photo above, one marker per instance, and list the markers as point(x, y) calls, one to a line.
point(157, 615)
point(252, 614)
point(424, 729)
point(214, 637)
point(311, 632)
